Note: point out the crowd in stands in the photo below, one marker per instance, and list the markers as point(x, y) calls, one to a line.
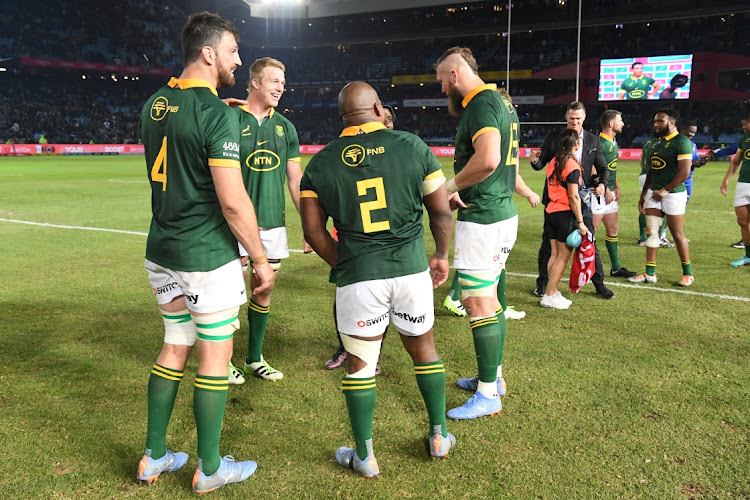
point(146, 32)
point(128, 32)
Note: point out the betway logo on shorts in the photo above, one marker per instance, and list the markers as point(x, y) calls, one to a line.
point(409, 318)
point(164, 289)
point(374, 321)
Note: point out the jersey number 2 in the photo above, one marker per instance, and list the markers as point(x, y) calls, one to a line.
point(159, 168)
point(368, 206)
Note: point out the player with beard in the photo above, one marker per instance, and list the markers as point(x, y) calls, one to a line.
point(269, 153)
point(605, 207)
point(486, 169)
point(741, 162)
point(200, 211)
point(669, 157)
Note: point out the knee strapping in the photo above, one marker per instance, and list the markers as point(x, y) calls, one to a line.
point(217, 326)
point(478, 284)
point(179, 328)
point(653, 225)
point(366, 350)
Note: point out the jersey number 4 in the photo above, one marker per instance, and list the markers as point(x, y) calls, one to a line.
point(159, 168)
point(366, 207)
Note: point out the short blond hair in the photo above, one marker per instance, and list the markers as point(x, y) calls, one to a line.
point(464, 52)
point(256, 69)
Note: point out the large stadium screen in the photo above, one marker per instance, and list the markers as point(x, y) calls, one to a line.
point(641, 78)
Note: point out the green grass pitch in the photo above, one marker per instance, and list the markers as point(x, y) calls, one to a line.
point(643, 396)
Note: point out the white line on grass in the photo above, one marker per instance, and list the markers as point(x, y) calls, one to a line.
point(523, 275)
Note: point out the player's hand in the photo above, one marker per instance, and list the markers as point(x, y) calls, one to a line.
point(608, 196)
point(723, 188)
point(533, 199)
point(583, 229)
point(233, 102)
point(704, 160)
point(710, 155)
point(642, 205)
point(599, 190)
point(438, 270)
point(266, 276)
point(455, 201)
point(306, 248)
point(534, 155)
point(617, 193)
point(656, 196)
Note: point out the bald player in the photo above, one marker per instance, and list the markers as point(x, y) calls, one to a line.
point(373, 182)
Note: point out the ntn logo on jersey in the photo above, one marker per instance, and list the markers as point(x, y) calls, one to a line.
point(657, 163)
point(263, 160)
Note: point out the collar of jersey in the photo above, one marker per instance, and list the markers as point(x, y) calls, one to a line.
point(365, 127)
point(470, 95)
point(187, 83)
point(610, 139)
point(671, 136)
point(247, 110)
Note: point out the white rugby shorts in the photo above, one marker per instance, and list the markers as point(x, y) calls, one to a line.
point(670, 204)
point(205, 292)
point(599, 206)
point(364, 309)
point(274, 242)
point(742, 194)
point(484, 247)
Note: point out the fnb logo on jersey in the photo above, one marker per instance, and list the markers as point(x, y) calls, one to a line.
point(160, 107)
point(657, 163)
point(263, 160)
point(409, 318)
point(370, 322)
point(353, 155)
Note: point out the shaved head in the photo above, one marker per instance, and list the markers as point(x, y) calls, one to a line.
point(359, 103)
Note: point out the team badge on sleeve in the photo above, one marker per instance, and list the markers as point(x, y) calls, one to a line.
point(279, 130)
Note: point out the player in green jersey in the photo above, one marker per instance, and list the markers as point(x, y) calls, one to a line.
point(605, 208)
point(373, 182)
point(269, 154)
point(200, 211)
point(636, 86)
point(486, 170)
point(664, 193)
point(741, 162)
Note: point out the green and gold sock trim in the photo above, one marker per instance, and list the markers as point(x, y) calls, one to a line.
point(258, 308)
point(499, 311)
point(211, 383)
point(357, 384)
point(167, 373)
point(611, 239)
point(651, 268)
point(482, 322)
point(687, 269)
point(177, 318)
point(428, 368)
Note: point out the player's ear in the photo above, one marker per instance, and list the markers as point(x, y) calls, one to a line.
point(208, 55)
point(379, 111)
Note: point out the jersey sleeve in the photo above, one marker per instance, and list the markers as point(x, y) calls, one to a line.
point(292, 143)
point(222, 137)
point(484, 118)
point(684, 149)
point(307, 187)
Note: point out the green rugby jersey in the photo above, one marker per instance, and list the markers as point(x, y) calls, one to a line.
point(636, 88)
point(186, 129)
point(369, 181)
point(265, 149)
point(609, 146)
point(745, 165)
point(648, 148)
point(663, 158)
point(491, 200)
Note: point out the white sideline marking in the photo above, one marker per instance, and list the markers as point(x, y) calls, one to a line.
point(144, 181)
point(523, 275)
